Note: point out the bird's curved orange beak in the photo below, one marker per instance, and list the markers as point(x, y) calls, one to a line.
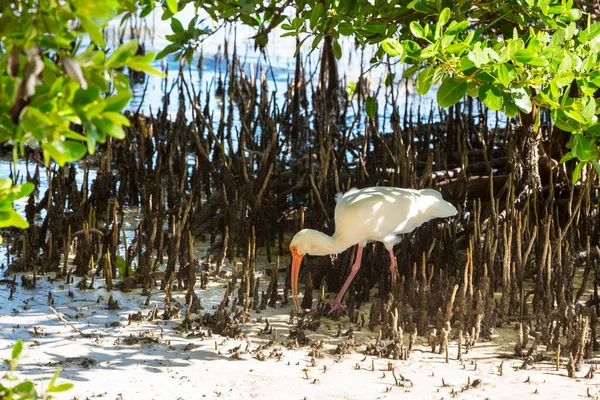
point(296, 263)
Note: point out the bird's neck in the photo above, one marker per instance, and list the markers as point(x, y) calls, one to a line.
point(324, 244)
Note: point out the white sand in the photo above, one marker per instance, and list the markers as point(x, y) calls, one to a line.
point(166, 370)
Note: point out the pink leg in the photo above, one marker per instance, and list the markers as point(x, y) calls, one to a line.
point(337, 303)
point(393, 264)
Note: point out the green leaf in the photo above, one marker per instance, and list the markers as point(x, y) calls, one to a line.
point(168, 50)
point(577, 173)
point(574, 14)
point(567, 157)
point(594, 31)
point(5, 184)
point(337, 49)
point(147, 9)
point(522, 99)
point(444, 16)
point(117, 118)
point(373, 28)
point(392, 47)
point(564, 122)
point(17, 349)
point(54, 377)
point(589, 110)
point(417, 30)
point(543, 5)
point(24, 388)
point(455, 29)
point(172, 6)
point(34, 121)
point(139, 63)
point(597, 166)
point(451, 91)
point(350, 88)
point(86, 96)
point(456, 48)
point(564, 78)
point(549, 101)
point(121, 265)
point(467, 66)
point(491, 96)
point(478, 57)
point(389, 79)
point(485, 76)
point(411, 48)
point(565, 64)
point(594, 129)
point(106, 125)
point(176, 26)
point(524, 55)
point(53, 388)
point(229, 12)
point(371, 108)
point(118, 101)
point(510, 109)
point(423, 6)
point(316, 41)
point(12, 218)
point(438, 30)
point(69, 134)
point(65, 151)
point(248, 9)
point(315, 14)
point(576, 115)
point(92, 29)
point(10, 193)
point(345, 28)
point(120, 56)
point(424, 80)
point(411, 70)
point(537, 62)
point(556, 9)
point(23, 190)
point(503, 77)
point(537, 122)
point(60, 388)
point(428, 52)
point(473, 89)
point(583, 150)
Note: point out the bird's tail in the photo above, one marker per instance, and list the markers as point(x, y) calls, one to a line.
point(446, 209)
point(443, 208)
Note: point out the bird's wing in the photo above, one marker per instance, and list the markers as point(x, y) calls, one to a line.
point(371, 213)
point(343, 197)
point(381, 213)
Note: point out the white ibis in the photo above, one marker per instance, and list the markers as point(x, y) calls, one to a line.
point(375, 213)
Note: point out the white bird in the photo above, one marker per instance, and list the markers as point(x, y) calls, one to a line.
point(370, 214)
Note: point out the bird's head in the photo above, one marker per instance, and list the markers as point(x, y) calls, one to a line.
point(302, 244)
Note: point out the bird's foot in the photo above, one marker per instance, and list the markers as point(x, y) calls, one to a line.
point(336, 305)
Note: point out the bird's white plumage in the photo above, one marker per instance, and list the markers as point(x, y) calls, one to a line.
point(382, 213)
point(376, 213)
